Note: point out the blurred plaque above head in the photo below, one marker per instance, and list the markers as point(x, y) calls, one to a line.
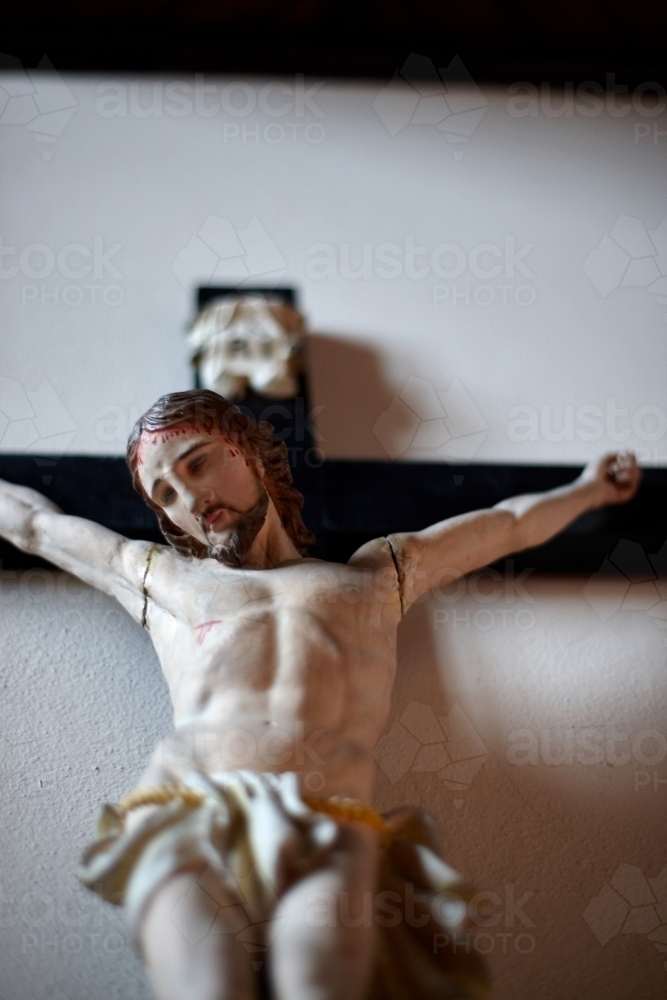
point(247, 342)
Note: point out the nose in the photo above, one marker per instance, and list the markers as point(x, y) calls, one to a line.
point(198, 503)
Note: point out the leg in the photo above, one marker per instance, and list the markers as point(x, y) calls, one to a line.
point(323, 945)
point(188, 941)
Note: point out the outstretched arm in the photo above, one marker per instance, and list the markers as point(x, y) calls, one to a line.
point(95, 554)
point(447, 550)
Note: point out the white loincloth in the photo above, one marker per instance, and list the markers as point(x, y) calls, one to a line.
point(254, 832)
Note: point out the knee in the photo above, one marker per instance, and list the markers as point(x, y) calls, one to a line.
point(190, 952)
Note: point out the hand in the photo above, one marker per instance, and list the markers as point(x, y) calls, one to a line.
point(617, 476)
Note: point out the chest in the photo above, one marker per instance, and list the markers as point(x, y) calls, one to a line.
point(311, 611)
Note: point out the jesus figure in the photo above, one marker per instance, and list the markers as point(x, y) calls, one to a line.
point(249, 859)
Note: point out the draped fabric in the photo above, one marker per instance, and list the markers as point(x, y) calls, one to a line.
point(256, 834)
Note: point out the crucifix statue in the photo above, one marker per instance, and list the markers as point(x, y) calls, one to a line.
point(248, 857)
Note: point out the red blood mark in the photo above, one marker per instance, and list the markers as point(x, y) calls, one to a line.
point(247, 462)
point(203, 629)
point(167, 433)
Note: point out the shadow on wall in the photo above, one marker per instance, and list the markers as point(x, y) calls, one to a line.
point(542, 755)
point(347, 383)
point(442, 748)
point(360, 416)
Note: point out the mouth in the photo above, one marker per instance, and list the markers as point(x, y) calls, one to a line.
point(213, 518)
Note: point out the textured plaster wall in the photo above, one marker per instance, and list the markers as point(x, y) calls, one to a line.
point(83, 702)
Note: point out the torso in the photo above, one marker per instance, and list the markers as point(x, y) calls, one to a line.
point(288, 668)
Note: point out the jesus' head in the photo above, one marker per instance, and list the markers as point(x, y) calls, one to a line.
point(213, 475)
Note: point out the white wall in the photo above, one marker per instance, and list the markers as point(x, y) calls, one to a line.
point(327, 170)
point(83, 702)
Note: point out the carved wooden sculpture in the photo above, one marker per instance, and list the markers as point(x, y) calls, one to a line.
point(248, 857)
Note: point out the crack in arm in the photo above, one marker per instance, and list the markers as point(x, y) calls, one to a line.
point(144, 587)
point(399, 573)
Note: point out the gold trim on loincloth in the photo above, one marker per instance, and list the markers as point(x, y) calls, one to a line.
point(336, 806)
point(341, 807)
point(158, 795)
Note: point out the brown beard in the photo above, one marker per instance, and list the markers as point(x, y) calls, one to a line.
point(245, 533)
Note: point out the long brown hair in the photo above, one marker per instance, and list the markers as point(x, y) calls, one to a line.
point(255, 438)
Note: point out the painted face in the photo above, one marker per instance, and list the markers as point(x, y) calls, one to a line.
point(206, 486)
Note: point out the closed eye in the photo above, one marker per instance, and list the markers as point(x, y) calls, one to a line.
point(167, 497)
point(197, 464)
